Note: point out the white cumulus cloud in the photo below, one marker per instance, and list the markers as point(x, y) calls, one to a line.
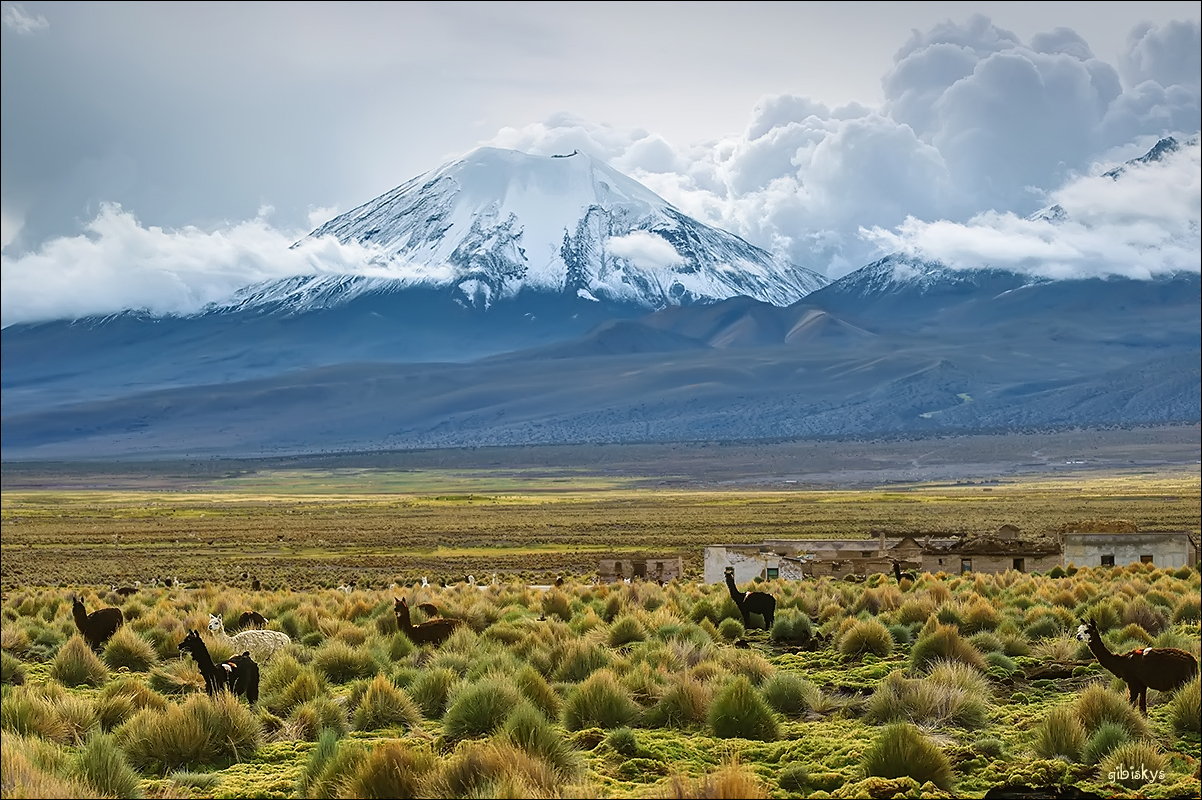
point(645, 250)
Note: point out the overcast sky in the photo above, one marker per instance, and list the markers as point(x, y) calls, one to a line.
point(827, 132)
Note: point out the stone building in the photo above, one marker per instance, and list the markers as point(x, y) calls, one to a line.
point(1163, 548)
point(660, 568)
point(794, 559)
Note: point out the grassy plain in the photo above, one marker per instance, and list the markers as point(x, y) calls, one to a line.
point(309, 528)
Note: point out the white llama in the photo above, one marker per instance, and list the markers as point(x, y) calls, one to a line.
point(262, 644)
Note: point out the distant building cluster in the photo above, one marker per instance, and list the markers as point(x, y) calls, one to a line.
point(1005, 549)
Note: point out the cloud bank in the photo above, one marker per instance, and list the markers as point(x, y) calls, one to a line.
point(977, 131)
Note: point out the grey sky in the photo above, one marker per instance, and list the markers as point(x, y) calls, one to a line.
point(201, 114)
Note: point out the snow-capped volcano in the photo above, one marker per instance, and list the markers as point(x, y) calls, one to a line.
point(498, 222)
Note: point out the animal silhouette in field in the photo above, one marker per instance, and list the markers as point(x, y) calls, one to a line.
point(429, 609)
point(435, 631)
point(97, 627)
point(261, 644)
point(898, 574)
point(750, 603)
point(239, 674)
point(252, 619)
point(1161, 668)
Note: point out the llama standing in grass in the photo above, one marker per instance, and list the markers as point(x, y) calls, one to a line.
point(898, 574)
point(261, 644)
point(1161, 668)
point(434, 632)
point(240, 674)
point(251, 619)
point(750, 603)
point(99, 626)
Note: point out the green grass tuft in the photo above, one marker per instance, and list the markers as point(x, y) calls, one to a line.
point(739, 711)
point(901, 750)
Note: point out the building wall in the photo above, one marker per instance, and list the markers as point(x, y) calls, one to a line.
point(649, 569)
point(989, 563)
point(1170, 550)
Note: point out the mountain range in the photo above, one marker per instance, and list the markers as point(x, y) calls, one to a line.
point(529, 299)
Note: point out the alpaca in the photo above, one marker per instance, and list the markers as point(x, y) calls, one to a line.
point(126, 591)
point(99, 626)
point(429, 609)
point(252, 619)
point(898, 574)
point(261, 644)
point(750, 603)
point(240, 674)
point(559, 580)
point(435, 631)
point(1160, 668)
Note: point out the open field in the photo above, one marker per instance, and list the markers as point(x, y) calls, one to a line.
point(304, 528)
point(584, 690)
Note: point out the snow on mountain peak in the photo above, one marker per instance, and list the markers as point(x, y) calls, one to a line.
point(497, 222)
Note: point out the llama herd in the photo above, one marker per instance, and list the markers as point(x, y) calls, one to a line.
point(1162, 668)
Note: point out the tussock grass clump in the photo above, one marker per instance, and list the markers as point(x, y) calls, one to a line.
point(1061, 735)
point(578, 659)
point(944, 643)
point(384, 705)
point(1188, 609)
point(310, 718)
point(431, 690)
point(307, 685)
point(558, 604)
point(77, 665)
point(129, 650)
point(1185, 708)
point(535, 688)
point(953, 694)
point(78, 714)
point(731, 629)
point(102, 765)
point(791, 626)
point(177, 677)
point(27, 713)
point(901, 750)
point(739, 711)
point(528, 729)
point(391, 769)
point(319, 759)
point(728, 781)
point(199, 732)
point(1130, 765)
point(790, 694)
point(794, 778)
point(12, 671)
point(1142, 613)
point(978, 616)
point(341, 663)
point(626, 630)
point(493, 769)
point(684, 704)
point(1097, 705)
point(866, 636)
point(748, 663)
point(1107, 737)
point(26, 772)
point(599, 702)
point(478, 709)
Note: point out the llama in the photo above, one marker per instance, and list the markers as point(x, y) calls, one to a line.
point(126, 591)
point(435, 631)
point(898, 574)
point(429, 609)
point(1160, 668)
point(750, 603)
point(240, 674)
point(99, 626)
point(261, 644)
point(252, 619)
point(559, 580)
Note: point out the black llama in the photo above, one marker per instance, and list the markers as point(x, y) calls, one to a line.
point(239, 674)
point(750, 603)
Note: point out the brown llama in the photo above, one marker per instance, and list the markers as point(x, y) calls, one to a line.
point(435, 631)
point(429, 609)
point(99, 626)
point(1161, 668)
